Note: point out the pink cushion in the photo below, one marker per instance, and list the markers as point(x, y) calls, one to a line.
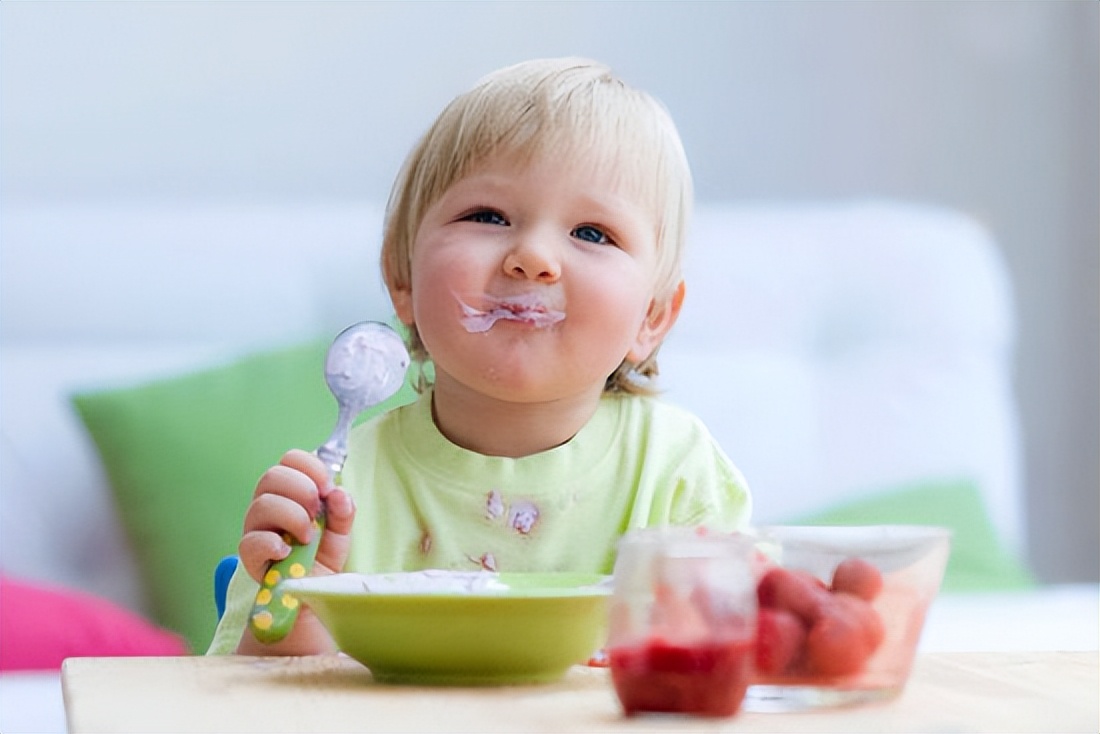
point(42, 625)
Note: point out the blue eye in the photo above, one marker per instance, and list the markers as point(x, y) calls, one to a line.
point(486, 216)
point(588, 233)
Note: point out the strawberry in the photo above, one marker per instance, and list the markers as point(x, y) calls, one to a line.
point(796, 591)
point(867, 619)
point(835, 645)
point(779, 638)
point(859, 577)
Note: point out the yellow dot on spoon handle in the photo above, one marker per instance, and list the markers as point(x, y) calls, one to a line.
point(274, 611)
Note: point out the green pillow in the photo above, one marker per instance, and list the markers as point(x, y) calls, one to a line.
point(183, 456)
point(978, 561)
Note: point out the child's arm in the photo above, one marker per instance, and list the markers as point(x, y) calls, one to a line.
point(286, 499)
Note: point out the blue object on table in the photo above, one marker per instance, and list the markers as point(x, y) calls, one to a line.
point(222, 573)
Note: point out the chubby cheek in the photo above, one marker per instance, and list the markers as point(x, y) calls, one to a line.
point(432, 301)
point(434, 313)
point(607, 321)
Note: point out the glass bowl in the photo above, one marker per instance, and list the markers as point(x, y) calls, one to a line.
point(841, 609)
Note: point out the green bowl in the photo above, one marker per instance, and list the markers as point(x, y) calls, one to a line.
point(500, 629)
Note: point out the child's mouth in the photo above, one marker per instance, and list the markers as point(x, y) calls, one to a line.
point(526, 308)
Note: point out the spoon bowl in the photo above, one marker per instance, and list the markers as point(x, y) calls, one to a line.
point(364, 366)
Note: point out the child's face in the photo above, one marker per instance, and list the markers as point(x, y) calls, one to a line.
point(532, 282)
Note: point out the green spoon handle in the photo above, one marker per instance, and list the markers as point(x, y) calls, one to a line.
point(275, 611)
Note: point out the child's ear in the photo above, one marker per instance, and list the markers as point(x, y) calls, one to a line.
point(656, 325)
point(400, 295)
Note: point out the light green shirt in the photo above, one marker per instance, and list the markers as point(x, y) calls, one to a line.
point(423, 502)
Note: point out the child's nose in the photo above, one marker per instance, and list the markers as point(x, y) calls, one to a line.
point(532, 261)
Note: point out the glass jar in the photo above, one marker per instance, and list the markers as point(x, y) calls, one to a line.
point(683, 621)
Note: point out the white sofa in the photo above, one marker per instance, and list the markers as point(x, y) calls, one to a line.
point(834, 349)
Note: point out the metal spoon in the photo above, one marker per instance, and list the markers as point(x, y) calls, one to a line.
point(364, 366)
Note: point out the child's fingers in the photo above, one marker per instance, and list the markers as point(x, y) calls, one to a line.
point(307, 463)
point(258, 549)
point(339, 511)
point(294, 485)
point(336, 542)
point(286, 500)
point(281, 515)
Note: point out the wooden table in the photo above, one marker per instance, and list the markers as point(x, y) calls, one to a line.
point(957, 692)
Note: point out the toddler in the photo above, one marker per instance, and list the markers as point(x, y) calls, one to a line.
point(532, 247)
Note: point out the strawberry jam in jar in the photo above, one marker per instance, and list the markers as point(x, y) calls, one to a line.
point(683, 622)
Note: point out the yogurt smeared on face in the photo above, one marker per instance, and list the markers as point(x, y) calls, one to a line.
point(526, 308)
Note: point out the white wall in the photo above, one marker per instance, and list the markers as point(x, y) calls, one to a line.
point(988, 107)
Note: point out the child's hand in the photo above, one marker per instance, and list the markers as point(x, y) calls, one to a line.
point(287, 498)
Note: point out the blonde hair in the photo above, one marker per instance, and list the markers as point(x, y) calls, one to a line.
point(571, 108)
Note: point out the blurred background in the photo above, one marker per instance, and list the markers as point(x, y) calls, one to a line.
point(991, 108)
